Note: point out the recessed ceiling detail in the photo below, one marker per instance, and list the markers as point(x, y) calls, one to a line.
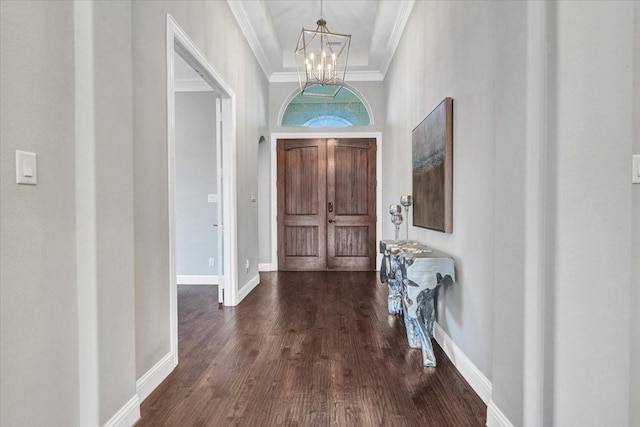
point(271, 28)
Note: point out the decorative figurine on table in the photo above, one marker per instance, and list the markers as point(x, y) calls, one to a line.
point(406, 201)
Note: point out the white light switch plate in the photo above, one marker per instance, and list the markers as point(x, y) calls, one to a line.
point(212, 198)
point(26, 168)
point(635, 176)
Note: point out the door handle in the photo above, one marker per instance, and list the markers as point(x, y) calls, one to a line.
point(330, 207)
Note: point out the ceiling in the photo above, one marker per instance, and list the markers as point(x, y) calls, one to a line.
point(272, 28)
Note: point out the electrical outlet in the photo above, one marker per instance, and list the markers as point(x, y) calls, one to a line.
point(212, 262)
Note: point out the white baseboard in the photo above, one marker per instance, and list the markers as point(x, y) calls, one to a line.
point(476, 379)
point(127, 415)
point(154, 376)
point(248, 287)
point(495, 417)
point(196, 280)
point(267, 267)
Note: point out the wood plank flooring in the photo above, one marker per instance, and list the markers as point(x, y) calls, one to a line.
point(305, 349)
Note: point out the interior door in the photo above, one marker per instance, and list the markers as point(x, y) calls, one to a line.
point(351, 204)
point(326, 204)
point(302, 215)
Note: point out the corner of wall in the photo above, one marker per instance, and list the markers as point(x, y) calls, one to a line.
point(476, 379)
point(127, 415)
point(248, 287)
point(154, 376)
point(495, 417)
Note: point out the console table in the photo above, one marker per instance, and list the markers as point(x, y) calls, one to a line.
point(413, 272)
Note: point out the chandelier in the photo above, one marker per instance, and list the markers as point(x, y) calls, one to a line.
point(321, 60)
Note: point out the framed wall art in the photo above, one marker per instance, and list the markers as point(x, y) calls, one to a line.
point(432, 164)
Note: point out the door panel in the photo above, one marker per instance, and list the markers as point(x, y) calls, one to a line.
point(301, 201)
point(301, 178)
point(351, 231)
point(350, 173)
point(351, 241)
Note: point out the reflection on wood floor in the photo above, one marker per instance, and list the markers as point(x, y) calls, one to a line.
point(305, 349)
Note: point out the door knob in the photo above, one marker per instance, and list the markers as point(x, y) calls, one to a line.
point(331, 221)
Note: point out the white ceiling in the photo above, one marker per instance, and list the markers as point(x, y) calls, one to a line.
point(272, 28)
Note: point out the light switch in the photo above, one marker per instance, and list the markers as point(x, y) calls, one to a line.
point(212, 198)
point(254, 197)
point(26, 168)
point(635, 175)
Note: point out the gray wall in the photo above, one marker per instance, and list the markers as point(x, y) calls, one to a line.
point(38, 298)
point(635, 233)
point(590, 142)
point(49, 335)
point(211, 25)
point(509, 245)
point(114, 205)
point(196, 177)
point(264, 200)
point(448, 49)
point(476, 53)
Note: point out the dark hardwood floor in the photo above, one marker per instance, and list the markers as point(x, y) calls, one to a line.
point(305, 349)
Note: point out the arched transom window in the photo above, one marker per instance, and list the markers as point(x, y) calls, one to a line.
point(346, 109)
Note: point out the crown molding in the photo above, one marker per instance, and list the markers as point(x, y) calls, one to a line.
point(352, 76)
point(243, 21)
point(396, 35)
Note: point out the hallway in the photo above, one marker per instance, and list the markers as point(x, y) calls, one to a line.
point(305, 349)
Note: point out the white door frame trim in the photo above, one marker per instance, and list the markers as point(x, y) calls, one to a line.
point(177, 39)
point(313, 135)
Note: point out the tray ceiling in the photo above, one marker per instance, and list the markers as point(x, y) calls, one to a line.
point(272, 28)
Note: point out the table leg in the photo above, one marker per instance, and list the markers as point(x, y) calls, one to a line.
point(426, 318)
point(412, 328)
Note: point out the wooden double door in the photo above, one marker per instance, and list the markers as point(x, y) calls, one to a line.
point(326, 204)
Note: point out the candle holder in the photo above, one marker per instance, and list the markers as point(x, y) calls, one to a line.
point(406, 201)
point(396, 217)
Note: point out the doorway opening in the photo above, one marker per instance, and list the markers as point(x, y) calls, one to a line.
point(197, 208)
point(216, 191)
